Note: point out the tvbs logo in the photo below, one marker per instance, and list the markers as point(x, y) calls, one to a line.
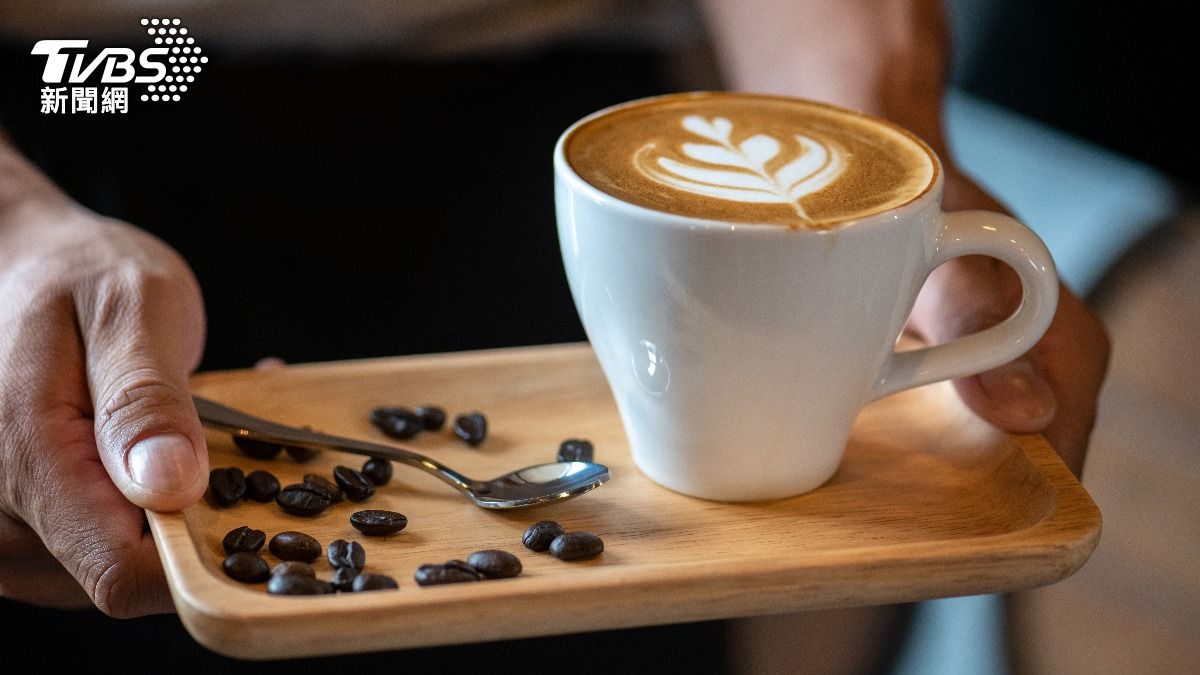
point(118, 63)
point(165, 69)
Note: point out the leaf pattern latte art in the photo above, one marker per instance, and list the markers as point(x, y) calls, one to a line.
point(739, 172)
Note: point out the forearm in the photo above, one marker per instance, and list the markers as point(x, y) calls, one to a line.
point(885, 57)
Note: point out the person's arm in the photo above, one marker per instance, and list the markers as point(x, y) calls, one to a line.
point(100, 324)
point(891, 58)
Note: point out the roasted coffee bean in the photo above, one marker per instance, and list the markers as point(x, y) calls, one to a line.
point(576, 546)
point(403, 427)
point(372, 582)
point(343, 579)
point(354, 484)
point(540, 534)
point(375, 522)
point(430, 574)
point(380, 414)
point(226, 486)
point(246, 567)
point(432, 417)
point(342, 553)
point(471, 428)
point(300, 454)
point(261, 486)
point(324, 486)
point(462, 566)
point(243, 539)
point(495, 564)
point(300, 499)
point(257, 449)
point(575, 450)
point(295, 546)
point(295, 568)
point(397, 422)
point(295, 584)
point(378, 470)
point(449, 573)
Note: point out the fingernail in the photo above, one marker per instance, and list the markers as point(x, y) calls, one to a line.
point(163, 463)
point(1020, 393)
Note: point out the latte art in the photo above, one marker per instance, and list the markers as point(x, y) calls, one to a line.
point(739, 173)
point(750, 159)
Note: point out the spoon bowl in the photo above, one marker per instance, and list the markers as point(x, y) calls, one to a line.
point(530, 486)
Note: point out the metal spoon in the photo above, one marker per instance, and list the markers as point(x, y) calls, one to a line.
point(538, 484)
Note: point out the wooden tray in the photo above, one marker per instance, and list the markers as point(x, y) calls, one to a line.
point(929, 502)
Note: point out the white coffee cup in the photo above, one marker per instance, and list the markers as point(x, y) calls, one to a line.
point(740, 354)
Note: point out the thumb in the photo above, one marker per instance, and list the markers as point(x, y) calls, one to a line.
point(141, 342)
point(970, 294)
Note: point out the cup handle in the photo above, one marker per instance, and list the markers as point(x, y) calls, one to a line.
point(998, 236)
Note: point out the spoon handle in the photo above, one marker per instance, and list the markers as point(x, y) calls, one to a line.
point(241, 424)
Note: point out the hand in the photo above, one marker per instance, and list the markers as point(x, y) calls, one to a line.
point(891, 58)
point(1054, 387)
point(100, 325)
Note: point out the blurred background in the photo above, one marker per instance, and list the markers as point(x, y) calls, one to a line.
point(345, 186)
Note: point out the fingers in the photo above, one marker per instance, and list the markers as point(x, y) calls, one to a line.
point(1055, 386)
point(965, 296)
point(95, 533)
point(28, 573)
point(66, 533)
point(1016, 397)
point(269, 363)
point(1052, 388)
point(1076, 353)
point(142, 327)
point(128, 578)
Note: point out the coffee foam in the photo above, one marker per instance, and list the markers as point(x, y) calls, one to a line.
point(751, 159)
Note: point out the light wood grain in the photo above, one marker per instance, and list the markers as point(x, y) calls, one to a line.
point(929, 502)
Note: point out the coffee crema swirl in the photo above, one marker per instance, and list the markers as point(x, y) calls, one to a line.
point(750, 158)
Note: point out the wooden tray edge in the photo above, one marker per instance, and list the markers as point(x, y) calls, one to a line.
point(1056, 546)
